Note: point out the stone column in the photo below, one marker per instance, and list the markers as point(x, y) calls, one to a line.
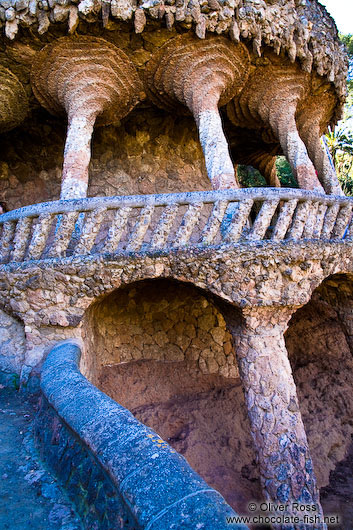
point(277, 428)
point(94, 83)
point(201, 75)
point(77, 155)
point(282, 121)
point(270, 100)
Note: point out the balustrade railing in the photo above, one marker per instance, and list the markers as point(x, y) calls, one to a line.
point(159, 223)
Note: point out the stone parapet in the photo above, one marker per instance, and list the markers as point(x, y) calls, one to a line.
point(155, 224)
point(120, 473)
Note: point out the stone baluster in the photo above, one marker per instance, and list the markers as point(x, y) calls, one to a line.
point(311, 220)
point(284, 219)
point(342, 221)
point(94, 83)
point(320, 217)
point(301, 214)
point(263, 220)
point(23, 230)
point(188, 223)
point(214, 222)
point(138, 234)
point(164, 226)
point(92, 224)
point(40, 236)
point(64, 230)
point(7, 235)
point(277, 429)
point(116, 229)
point(239, 218)
point(329, 221)
point(201, 75)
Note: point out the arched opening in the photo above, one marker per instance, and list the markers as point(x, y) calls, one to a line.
point(320, 346)
point(162, 349)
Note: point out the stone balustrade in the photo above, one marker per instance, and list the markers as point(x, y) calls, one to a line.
point(157, 224)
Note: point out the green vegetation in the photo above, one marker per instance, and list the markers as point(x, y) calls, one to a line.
point(340, 139)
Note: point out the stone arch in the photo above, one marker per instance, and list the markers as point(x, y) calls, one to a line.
point(319, 340)
point(162, 349)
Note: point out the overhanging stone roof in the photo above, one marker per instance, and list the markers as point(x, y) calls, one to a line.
point(301, 28)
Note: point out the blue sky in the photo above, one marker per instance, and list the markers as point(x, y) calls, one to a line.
point(342, 12)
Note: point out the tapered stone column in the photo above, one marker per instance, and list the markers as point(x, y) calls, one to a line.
point(201, 75)
point(270, 98)
point(94, 83)
point(277, 428)
point(311, 126)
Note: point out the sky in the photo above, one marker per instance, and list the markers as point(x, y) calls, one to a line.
point(342, 12)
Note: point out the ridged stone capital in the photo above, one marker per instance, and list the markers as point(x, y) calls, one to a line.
point(93, 82)
point(201, 75)
point(13, 100)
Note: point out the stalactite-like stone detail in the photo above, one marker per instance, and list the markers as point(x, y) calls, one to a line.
point(94, 83)
point(13, 100)
point(302, 30)
point(277, 428)
point(201, 75)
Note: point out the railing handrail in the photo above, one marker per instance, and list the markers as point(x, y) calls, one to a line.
point(99, 421)
point(165, 222)
point(164, 199)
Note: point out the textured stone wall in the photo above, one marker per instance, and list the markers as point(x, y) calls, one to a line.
point(321, 357)
point(163, 321)
point(162, 349)
point(12, 348)
point(51, 298)
point(93, 492)
point(151, 152)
